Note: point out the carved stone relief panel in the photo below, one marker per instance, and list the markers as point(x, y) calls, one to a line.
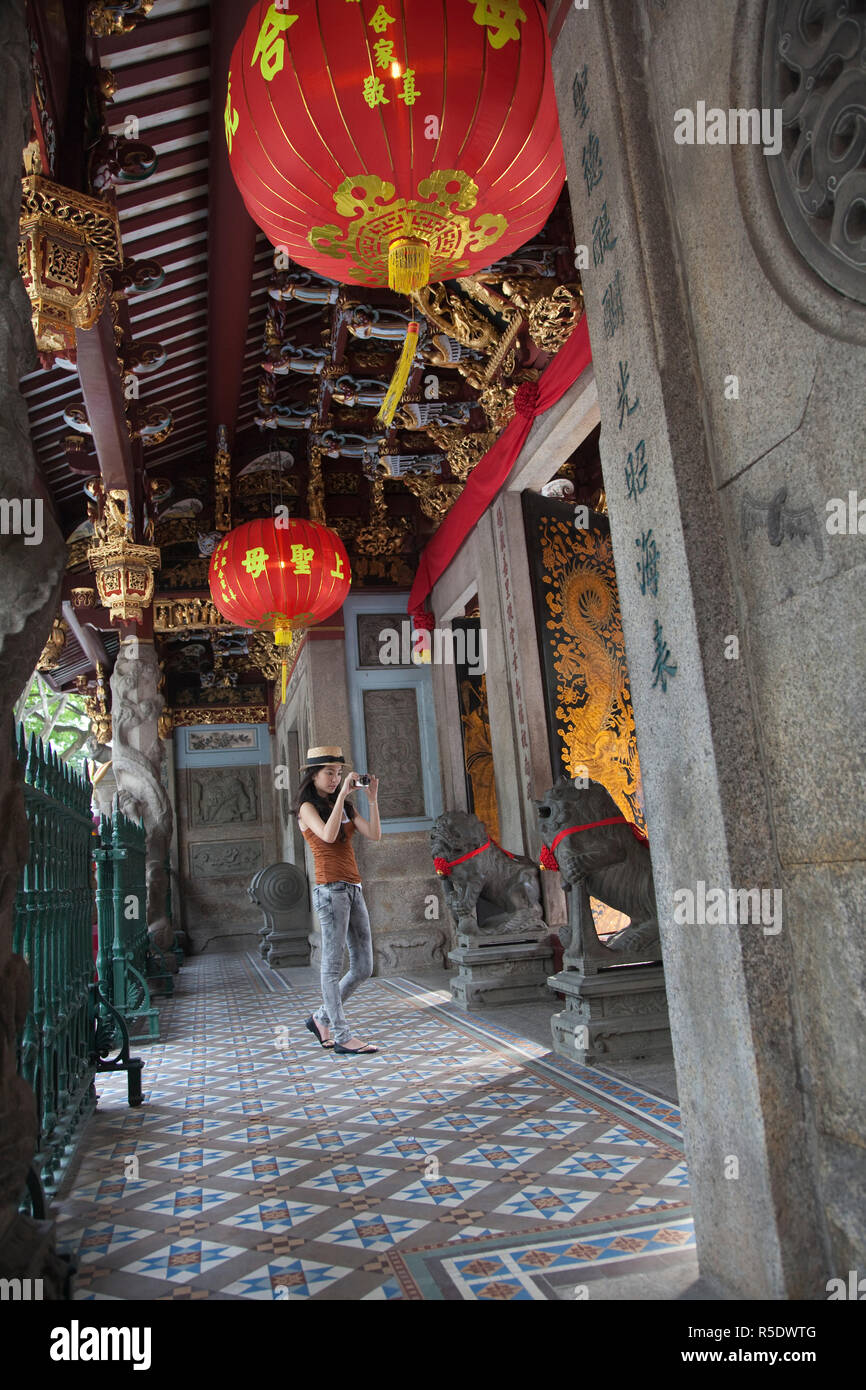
point(223, 857)
point(369, 627)
point(224, 796)
point(394, 751)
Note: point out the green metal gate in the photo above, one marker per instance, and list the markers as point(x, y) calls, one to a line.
point(125, 957)
point(53, 914)
point(70, 1027)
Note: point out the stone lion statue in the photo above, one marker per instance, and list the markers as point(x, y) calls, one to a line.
point(489, 892)
point(611, 860)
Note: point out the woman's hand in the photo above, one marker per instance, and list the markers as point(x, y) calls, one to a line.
point(373, 789)
point(348, 786)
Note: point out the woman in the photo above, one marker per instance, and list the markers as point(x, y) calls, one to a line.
point(327, 823)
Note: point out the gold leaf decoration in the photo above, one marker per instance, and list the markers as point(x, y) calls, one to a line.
point(596, 722)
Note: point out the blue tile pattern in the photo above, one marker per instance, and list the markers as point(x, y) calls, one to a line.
point(461, 1162)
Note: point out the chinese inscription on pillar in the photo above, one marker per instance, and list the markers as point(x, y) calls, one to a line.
point(613, 304)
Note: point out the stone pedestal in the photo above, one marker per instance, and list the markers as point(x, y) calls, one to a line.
point(280, 891)
point(616, 1015)
point(615, 1001)
point(496, 969)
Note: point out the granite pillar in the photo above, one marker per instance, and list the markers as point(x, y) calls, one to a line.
point(726, 370)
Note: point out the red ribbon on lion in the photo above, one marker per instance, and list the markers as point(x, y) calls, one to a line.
point(547, 858)
point(443, 867)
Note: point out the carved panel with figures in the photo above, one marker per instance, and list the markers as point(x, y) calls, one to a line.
point(394, 751)
point(222, 857)
point(369, 644)
point(224, 796)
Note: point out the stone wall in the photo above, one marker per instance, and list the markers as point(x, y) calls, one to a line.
point(730, 383)
point(411, 929)
point(226, 833)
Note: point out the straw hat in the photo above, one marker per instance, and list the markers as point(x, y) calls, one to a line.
point(321, 757)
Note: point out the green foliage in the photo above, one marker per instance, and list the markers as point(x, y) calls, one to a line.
point(59, 720)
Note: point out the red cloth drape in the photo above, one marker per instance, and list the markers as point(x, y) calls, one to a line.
point(489, 474)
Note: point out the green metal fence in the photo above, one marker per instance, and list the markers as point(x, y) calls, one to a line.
point(125, 956)
point(70, 1027)
point(53, 916)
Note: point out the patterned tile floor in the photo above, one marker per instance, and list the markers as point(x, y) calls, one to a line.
point(461, 1162)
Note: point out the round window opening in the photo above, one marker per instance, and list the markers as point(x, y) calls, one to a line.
point(814, 70)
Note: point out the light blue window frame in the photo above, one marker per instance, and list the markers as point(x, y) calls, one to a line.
point(390, 678)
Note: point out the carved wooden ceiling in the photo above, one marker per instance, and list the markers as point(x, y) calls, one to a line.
point(245, 383)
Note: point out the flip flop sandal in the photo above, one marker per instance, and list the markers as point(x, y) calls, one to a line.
point(323, 1042)
point(354, 1051)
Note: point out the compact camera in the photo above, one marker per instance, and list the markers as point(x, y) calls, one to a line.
point(362, 779)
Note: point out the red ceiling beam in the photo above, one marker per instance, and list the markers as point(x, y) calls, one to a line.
point(231, 244)
point(191, 130)
point(156, 30)
point(102, 390)
point(188, 230)
point(156, 105)
point(158, 70)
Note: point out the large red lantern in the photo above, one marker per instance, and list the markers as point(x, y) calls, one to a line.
point(279, 577)
point(420, 135)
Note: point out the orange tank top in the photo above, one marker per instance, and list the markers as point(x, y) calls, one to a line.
point(335, 863)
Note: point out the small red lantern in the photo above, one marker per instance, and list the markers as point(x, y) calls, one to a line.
point(279, 576)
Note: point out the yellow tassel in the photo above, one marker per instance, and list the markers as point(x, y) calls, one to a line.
point(283, 638)
point(394, 394)
point(408, 264)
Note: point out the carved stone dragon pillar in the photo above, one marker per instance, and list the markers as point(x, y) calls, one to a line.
point(137, 762)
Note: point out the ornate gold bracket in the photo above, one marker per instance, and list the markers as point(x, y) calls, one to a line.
point(268, 657)
point(553, 318)
point(234, 714)
point(53, 649)
point(96, 707)
point(378, 537)
point(463, 450)
point(316, 487)
point(434, 498)
point(449, 314)
point(514, 321)
point(108, 17)
point(185, 614)
point(222, 482)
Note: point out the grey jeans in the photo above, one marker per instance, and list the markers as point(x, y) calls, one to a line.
point(344, 919)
